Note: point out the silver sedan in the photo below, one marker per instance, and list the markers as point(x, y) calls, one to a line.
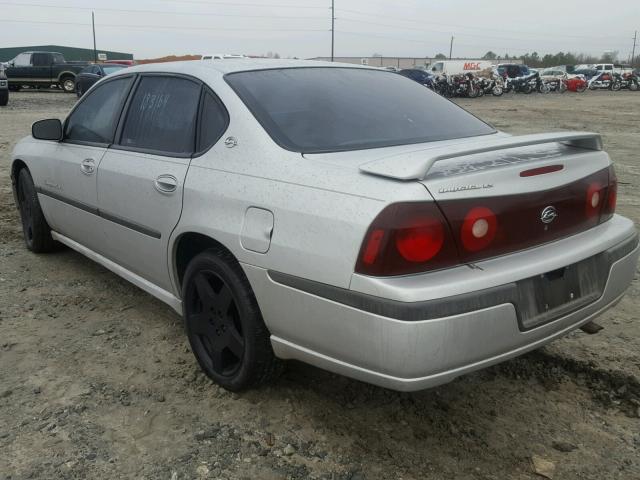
point(343, 216)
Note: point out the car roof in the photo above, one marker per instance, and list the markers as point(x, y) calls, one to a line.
point(233, 65)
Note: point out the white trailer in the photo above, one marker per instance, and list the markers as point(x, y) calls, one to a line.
point(457, 67)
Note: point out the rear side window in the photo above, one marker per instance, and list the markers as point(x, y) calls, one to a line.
point(41, 59)
point(213, 121)
point(96, 117)
point(162, 115)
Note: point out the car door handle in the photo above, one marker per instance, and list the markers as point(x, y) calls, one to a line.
point(88, 166)
point(166, 183)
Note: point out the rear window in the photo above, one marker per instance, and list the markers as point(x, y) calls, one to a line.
point(325, 109)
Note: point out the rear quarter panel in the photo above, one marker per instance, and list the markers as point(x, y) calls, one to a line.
point(321, 211)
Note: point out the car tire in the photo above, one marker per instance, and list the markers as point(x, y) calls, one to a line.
point(37, 233)
point(4, 97)
point(68, 84)
point(224, 324)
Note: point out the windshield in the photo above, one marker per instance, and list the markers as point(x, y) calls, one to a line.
point(325, 109)
point(109, 69)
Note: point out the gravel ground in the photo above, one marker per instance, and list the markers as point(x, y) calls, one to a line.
point(97, 381)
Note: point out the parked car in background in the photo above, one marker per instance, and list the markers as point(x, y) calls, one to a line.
point(92, 73)
point(42, 69)
point(416, 74)
point(586, 72)
point(413, 243)
point(219, 56)
point(513, 70)
point(613, 68)
point(4, 87)
point(552, 74)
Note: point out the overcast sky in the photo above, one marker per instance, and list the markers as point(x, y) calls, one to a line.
point(152, 28)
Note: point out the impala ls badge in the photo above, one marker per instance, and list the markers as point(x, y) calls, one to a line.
point(549, 214)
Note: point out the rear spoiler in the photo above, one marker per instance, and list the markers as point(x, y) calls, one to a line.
point(415, 165)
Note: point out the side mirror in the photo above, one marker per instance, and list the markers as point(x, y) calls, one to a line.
point(50, 129)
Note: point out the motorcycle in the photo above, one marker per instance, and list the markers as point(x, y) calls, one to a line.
point(576, 84)
point(493, 85)
point(606, 80)
point(526, 84)
point(464, 86)
point(630, 81)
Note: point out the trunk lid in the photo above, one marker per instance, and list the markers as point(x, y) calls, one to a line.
point(503, 194)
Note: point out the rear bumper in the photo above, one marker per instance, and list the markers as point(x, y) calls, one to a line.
point(418, 353)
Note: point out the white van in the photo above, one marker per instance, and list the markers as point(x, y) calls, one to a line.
point(457, 67)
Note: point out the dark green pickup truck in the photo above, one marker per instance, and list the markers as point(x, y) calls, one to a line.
point(42, 69)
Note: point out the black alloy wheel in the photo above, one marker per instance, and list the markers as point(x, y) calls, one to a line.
point(214, 322)
point(37, 233)
point(223, 323)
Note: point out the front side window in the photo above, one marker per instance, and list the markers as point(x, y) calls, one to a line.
point(58, 58)
point(325, 109)
point(96, 117)
point(22, 60)
point(162, 115)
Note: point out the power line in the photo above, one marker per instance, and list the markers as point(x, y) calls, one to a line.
point(166, 27)
point(234, 4)
point(422, 22)
point(124, 10)
point(426, 42)
point(424, 30)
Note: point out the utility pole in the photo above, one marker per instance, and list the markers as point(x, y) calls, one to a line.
point(633, 52)
point(333, 26)
point(451, 47)
point(93, 25)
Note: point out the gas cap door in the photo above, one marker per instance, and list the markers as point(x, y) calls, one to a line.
point(257, 229)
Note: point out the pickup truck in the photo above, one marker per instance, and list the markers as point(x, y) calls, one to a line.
point(4, 87)
point(613, 68)
point(39, 69)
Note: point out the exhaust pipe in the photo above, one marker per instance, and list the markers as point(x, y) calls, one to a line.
point(591, 328)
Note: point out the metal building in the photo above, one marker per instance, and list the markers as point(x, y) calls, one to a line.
point(71, 54)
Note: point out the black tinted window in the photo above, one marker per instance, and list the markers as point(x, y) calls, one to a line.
point(96, 117)
point(162, 115)
point(41, 59)
point(213, 121)
point(331, 109)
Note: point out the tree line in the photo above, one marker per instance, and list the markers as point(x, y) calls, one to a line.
point(552, 60)
point(549, 60)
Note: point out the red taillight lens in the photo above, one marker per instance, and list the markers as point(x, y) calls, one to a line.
point(478, 229)
point(420, 242)
point(609, 207)
point(407, 238)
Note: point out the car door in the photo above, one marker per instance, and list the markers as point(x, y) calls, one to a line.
point(90, 75)
point(140, 179)
point(69, 190)
point(20, 69)
point(41, 69)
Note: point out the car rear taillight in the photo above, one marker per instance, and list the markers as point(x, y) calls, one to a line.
point(407, 238)
point(609, 207)
point(478, 229)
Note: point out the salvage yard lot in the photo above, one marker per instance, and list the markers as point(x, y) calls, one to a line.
point(96, 379)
